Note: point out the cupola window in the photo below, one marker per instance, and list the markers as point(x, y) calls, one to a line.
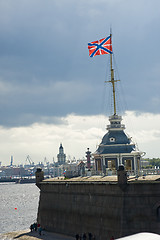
point(112, 139)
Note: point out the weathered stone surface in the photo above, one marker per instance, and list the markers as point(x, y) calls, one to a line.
point(99, 207)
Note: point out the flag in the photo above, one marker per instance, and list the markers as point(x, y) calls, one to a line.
point(103, 46)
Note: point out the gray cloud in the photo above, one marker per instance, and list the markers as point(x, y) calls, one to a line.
point(45, 71)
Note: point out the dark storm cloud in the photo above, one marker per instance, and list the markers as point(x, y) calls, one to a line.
point(45, 71)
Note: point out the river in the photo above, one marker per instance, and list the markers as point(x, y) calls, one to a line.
point(18, 206)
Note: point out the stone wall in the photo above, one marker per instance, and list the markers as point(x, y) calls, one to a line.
point(102, 208)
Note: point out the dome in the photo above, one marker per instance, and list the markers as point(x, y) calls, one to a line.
point(115, 137)
point(115, 142)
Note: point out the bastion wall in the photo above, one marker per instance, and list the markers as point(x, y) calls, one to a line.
point(103, 208)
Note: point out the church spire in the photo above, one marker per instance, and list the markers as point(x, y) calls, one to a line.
point(61, 156)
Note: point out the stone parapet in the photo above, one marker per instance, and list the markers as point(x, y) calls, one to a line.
point(99, 207)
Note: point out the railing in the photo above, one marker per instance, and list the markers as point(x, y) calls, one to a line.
point(115, 117)
point(116, 126)
point(150, 171)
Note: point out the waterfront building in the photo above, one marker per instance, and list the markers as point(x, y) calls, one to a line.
point(61, 156)
point(116, 149)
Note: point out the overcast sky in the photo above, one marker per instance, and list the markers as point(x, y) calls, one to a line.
point(47, 78)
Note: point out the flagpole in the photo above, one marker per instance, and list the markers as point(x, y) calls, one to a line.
point(112, 79)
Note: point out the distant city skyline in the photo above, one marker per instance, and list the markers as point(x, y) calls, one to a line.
point(76, 133)
point(49, 85)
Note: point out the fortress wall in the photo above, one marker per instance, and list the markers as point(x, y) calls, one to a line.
point(141, 201)
point(100, 208)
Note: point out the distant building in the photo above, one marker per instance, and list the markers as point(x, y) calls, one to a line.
point(61, 156)
point(11, 164)
point(13, 171)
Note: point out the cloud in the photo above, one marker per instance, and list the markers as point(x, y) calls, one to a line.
point(145, 131)
point(48, 81)
point(76, 133)
point(42, 140)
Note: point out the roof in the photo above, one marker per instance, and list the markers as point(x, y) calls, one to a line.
point(125, 148)
point(115, 142)
point(119, 136)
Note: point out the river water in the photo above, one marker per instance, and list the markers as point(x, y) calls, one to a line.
point(18, 206)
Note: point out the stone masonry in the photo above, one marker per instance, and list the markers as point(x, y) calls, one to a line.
point(102, 207)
